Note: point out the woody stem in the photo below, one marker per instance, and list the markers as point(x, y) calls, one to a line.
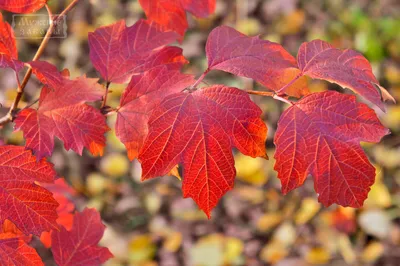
point(105, 95)
point(20, 90)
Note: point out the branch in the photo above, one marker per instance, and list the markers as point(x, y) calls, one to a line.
point(20, 90)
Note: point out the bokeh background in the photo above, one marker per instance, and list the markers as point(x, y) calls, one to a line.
point(151, 224)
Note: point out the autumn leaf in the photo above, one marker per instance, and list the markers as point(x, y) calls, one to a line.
point(171, 14)
point(118, 52)
point(199, 130)
point(320, 135)
point(47, 73)
point(14, 248)
point(143, 93)
point(201, 9)
point(8, 47)
point(348, 68)
point(29, 206)
point(62, 193)
point(62, 113)
point(266, 62)
point(79, 246)
point(22, 6)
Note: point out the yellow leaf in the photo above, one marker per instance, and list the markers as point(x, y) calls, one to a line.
point(309, 207)
point(233, 248)
point(346, 249)
point(273, 252)
point(173, 242)
point(292, 23)
point(378, 197)
point(285, 234)
point(372, 252)
point(250, 170)
point(96, 183)
point(248, 26)
point(268, 221)
point(141, 248)
point(317, 255)
point(251, 194)
point(115, 165)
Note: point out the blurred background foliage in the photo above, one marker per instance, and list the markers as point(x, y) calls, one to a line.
point(254, 224)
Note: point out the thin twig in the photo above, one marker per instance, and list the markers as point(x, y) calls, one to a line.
point(32, 103)
point(20, 90)
point(105, 95)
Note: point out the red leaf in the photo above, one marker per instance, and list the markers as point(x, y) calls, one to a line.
point(199, 130)
point(63, 113)
point(30, 207)
point(8, 47)
point(266, 62)
point(14, 251)
point(199, 8)
point(143, 93)
point(22, 6)
point(79, 246)
point(171, 13)
point(62, 193)
point(348, 68)
point(320, 135)
point(343, 220)
point(47, 73)
point(118, 52)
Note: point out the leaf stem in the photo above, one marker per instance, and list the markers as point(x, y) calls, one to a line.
point(20, 90)
point(270, 94)
point(200, 79)
point(105, 95)
point(276, 97)
point(288, 85)
point(261, 93)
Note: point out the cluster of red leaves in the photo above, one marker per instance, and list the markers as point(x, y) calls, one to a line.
point(164, 120)
point(31, 204)
point(62, 113)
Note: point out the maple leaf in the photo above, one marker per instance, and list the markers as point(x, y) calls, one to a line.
point(79, 246)
point(48, 73)
point(143, 93)
point(22, 6)
point(171, 14)
point(62, 113)
point(199, 130)
point(29, 206)
point(118, 52)
point(14, 250)
point(266, 62)
point(8, 47)
point(320, 135)
point(62, 193)
point(348, 68)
